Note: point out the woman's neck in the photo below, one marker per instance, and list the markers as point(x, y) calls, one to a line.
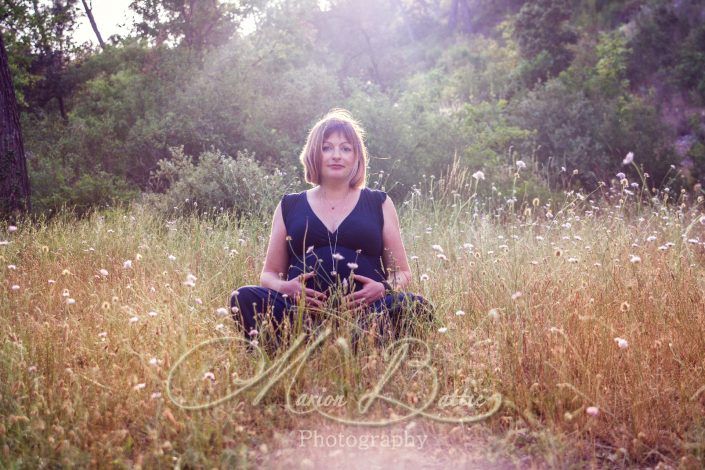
point(335, 191)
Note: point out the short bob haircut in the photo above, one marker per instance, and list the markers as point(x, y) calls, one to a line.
point(336, 121)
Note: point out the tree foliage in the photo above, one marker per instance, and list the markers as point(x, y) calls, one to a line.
point(567, 82)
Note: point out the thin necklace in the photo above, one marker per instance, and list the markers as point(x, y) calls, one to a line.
point(333, 245)
point(332, 205)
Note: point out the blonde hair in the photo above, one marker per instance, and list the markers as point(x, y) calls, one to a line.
point(335, 121)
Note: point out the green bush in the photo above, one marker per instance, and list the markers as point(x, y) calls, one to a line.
point(216, 182)
point(54, 187)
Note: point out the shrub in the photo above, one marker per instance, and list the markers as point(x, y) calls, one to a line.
point(216, 182)
point(56, 186)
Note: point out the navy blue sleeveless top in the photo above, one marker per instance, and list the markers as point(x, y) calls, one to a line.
point(356, 245)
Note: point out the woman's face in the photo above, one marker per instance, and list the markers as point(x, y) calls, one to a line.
point(338, 158)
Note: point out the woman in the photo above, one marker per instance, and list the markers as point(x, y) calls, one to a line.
point(337, 237)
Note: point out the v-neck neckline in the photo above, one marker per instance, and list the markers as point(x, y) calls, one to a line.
point(310, 207)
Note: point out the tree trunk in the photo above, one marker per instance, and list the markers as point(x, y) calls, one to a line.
point(14, 181)
point(460, 16)
point(89, 14)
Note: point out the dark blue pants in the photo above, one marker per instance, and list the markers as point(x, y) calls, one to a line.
point(390, 316)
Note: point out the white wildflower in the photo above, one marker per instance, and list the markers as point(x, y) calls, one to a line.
point(338, 256)
point(134, 319)
point(478, 175)
point(127, 264)
point(352, 265)
point(628, 159)
point(222, 311)
point(459, 313)
point(139, 386)
point(622, 343)
point(592, 411)
point(70, 301)
point(634, 259)
point(442, 330)
point(520, 165)
point(103, 272)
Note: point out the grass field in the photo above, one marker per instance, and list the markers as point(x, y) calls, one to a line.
point(587, 316)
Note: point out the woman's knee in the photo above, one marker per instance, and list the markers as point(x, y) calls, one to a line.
point(243, 295)
point(243, 303)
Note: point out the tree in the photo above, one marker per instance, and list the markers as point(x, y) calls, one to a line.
point(14, 181)
point(39, 46)
point(196, 24)
point(543, 35)
point(89, 14)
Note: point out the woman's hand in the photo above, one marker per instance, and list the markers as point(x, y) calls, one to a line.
point(371, 292)
point(295, 287)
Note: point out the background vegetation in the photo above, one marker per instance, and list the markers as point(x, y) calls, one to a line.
point(564, 83)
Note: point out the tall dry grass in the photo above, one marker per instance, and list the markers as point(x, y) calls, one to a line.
point(532, 299)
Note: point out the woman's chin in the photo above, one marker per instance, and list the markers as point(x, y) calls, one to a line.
point(335, 178)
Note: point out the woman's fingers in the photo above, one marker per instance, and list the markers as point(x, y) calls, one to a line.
point(315, 294)
point(362, 279)
point(306, 276)
point(356, 296)
point(314, 301)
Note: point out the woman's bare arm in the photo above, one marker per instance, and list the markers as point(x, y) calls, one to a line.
point(276, 265)
point(394, 256)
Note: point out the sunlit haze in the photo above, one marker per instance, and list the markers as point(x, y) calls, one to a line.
point(111, 16)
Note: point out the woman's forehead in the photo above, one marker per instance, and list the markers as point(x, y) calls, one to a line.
point(336, 135)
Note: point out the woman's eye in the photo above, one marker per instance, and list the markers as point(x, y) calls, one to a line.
point(326, 148)
point(347, 149)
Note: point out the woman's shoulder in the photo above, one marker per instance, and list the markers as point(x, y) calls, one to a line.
point(376, 194)
point(288, 201)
